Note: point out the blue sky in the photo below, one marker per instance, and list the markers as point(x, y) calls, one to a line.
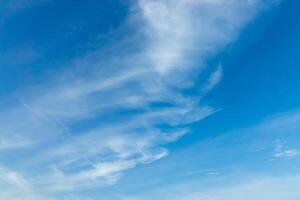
point(149, 99)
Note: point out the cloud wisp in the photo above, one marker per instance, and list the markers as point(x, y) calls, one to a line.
point(83, 131)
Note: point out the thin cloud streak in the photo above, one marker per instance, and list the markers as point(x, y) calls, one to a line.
point(214, 79)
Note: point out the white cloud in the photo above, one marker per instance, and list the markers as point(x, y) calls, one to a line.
point(125, 97)
point(13, 178)
point(214, 79)
point(181, 30)
point(282, 151)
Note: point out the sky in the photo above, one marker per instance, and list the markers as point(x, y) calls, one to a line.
point(149, 99)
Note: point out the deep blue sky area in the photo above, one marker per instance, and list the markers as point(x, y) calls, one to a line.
point(149, 99)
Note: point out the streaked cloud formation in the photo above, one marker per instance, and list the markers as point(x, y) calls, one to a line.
point(108, 112)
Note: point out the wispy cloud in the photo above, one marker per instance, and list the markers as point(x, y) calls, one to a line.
point(88, 129)
point(214, 79)
point(282, 151)
point(179, 31)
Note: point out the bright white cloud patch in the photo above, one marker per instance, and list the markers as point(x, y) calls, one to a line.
point(85, 131)
point(181, 32)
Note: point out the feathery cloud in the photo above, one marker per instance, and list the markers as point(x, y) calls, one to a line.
point(88, 129)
